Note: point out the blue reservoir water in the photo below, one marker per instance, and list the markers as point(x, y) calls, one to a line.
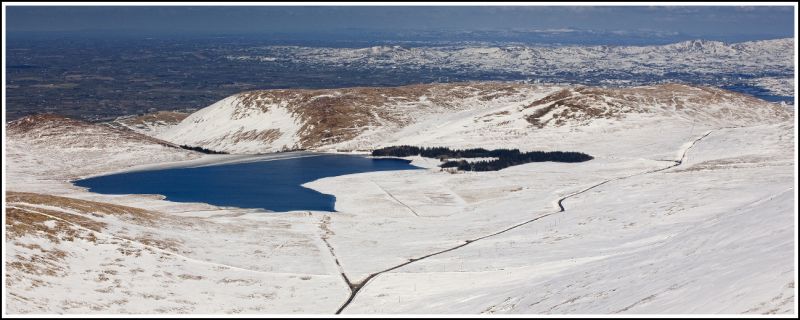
point(272, 185)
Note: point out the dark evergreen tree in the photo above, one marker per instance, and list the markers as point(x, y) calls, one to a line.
point(203, 150)
point(505, 157)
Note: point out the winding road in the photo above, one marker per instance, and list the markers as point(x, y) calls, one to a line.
point(355, 287)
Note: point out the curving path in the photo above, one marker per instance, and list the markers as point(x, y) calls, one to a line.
point(355, 287)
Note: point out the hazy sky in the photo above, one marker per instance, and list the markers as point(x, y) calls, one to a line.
point(694, 20)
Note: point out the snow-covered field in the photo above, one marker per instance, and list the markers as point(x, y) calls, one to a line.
point(696, 55)
point(776, 86)
point(681, 211)
point(714, 61)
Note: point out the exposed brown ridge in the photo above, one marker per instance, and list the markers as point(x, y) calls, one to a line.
point(335, 115)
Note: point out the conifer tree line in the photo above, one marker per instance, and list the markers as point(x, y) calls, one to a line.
point(505, 157)
point(201, 149)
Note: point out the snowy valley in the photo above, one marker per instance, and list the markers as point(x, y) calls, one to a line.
point(687, 207)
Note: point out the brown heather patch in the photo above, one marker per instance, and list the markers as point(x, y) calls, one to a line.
point(267, 136)
point(586, 103)
point(190, 277)
point(163, 244)
point(23, 220)
point(334, 119)
point(84, 207)
point(536, 117)
point(44, 120)
point(46, 263)
point(76, 222)
point(329, 116)
point(560, 95)
point(50, 128)
point(499, 91)
point(581, 104)
point(39, 261)
point(491, 116)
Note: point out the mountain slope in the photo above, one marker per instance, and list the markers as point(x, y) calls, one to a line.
point(708, 105)
point(66, 148)
point(68, 255)
point(364, 118)
point(272, 120)
point(687, 207)
point(150, 123)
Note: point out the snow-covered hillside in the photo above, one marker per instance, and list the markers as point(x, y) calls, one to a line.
point(57, 147)
point(150, 123)
point(687, 207)
point(696, 61)
point(275, 120)
point(695, 55)
point(364, 118)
